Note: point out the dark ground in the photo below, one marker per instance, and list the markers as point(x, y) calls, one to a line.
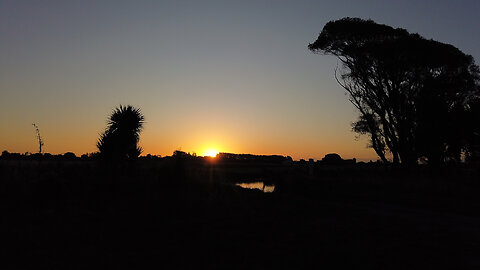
point(80, 215)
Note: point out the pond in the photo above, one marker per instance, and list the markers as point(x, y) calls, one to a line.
point(257, 185)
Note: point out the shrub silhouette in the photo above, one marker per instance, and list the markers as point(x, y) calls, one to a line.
point(120, 138)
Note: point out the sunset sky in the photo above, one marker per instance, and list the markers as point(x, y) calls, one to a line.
point(234, 76)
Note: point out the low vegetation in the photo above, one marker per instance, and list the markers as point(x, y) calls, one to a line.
point(160, 211)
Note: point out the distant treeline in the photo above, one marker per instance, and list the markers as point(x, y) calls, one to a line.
point(68, 156)
point(329, 159)
point(253, 158)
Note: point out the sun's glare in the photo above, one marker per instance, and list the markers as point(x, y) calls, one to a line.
point(210, 153)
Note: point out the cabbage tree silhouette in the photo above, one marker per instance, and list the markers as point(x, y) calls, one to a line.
point(120, 138)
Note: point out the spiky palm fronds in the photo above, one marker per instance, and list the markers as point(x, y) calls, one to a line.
point(126, 119)
point(120, 138)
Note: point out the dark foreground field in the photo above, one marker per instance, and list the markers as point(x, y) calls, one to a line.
point(81, 215)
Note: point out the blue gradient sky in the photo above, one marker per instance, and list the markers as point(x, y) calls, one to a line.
point(231, 75)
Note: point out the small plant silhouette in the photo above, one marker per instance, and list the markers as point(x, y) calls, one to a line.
point(120, 138)
point(40, 140)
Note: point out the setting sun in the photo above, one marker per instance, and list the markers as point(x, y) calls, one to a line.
point(210, 153)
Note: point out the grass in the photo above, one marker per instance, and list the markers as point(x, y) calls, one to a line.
point(80, 214)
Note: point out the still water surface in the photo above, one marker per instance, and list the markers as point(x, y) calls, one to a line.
point(257, 185)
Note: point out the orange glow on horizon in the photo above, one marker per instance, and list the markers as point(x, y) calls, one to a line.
point(210, 153)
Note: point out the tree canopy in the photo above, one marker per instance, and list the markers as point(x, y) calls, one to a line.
point(120, 138)
point(414, 95)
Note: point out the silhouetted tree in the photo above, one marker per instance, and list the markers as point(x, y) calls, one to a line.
point(332, 159)
point(69, 156)
point(473, 132)
point(5, 154)
point(409, 91)
point(120, 138)
point(39, 138)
